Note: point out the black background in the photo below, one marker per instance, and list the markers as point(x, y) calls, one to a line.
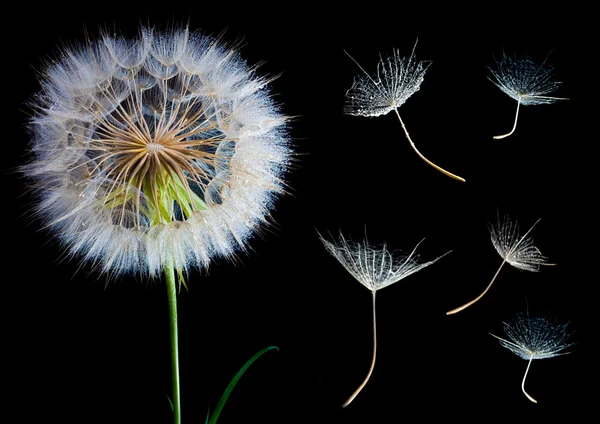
point(81, 350)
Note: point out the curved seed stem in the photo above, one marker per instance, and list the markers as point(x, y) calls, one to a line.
point(443, 171)
point(497, 137)
point(466, 305)
point(364, 383)
point(523, 382)
point(172, 298)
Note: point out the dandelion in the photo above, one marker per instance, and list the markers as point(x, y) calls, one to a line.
point(524, 81)
point(534, 338)
point(155, 154)
point(396, 80)
point(517, 251)
point(375, 268)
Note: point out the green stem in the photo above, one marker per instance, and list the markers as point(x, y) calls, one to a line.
point(172, 298)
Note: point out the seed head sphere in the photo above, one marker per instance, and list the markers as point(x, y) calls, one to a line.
point(161, 150)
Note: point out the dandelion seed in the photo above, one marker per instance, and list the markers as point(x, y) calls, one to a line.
point(515, 250)
point(396, 80)
point(534, 338)
point(155, 154)
point(526, 82)
point(375, 268)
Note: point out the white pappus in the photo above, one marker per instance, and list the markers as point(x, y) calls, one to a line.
point(161, 150)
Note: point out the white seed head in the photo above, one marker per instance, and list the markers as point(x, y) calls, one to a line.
point(519, 251)
point(535, 338)
point(397, 79)
point(525, 81)
point(164, 149)
point(375, 267)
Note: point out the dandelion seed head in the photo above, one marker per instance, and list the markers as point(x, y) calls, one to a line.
point(375, 267)
point(397, 78)
point(517, 250)
point(524, 80)
point(535, 338)
point(161, 149)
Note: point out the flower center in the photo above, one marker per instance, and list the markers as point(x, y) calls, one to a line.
point(163, 166)
point(154, 148)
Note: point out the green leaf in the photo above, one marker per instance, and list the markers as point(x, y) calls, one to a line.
point(233, 382)
point(171, 403)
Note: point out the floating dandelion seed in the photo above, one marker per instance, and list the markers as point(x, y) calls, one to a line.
point(396, 80)
point(155, 154)
point(534, 338)
point(375, 268)
point(517, 251)
point(524, 81)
